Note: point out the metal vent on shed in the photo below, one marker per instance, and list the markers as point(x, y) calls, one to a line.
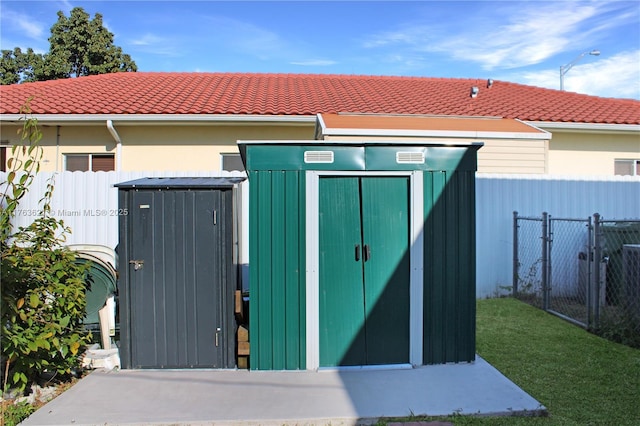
point(410, 157)
point(318, 156)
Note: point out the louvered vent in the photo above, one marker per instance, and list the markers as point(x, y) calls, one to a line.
point(410, 157)
point(318, 156)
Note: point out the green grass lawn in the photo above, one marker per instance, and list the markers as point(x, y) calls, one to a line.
point(582, 379)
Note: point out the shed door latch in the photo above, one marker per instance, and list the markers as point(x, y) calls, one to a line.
point(137, 264)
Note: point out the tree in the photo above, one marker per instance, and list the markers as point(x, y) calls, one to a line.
point(78, 46)
point(17, 66)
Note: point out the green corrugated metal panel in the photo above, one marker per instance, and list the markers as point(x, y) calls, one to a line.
point(277, 252)
point(449, 267)
point(385, 204)
point(291, 157)
point(341, 310)
point(364, 270)
point(435, 158)
point(277, 247)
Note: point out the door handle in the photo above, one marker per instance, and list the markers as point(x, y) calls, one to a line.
point(218, 329)
point(357, 252)
point(367, 253)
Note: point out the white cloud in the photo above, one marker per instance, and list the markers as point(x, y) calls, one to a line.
point(415, 36)
point(157, 45)
point(147, 40)
point(617, 76)
point(247, 37)
point(509, 36)
point(24, 24)
point(529, 36)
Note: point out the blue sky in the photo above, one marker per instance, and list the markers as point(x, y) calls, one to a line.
point(524, 42)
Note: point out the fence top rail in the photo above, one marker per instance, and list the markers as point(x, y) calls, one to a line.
point(620, 221)
point(539, 219)
point(569, 219)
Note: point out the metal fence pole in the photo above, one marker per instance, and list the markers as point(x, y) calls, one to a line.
point(515, 254)
point(597, 258)
point(589, 287)
point(545, 261)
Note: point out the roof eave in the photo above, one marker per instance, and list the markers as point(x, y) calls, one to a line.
point(436, 134)
point(364, 141)
point(585, 127)
point(164, 119)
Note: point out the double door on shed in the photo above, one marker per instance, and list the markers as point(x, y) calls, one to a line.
point(181, 279)
point(364, 270)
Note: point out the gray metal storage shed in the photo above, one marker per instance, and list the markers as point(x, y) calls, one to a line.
point(177, 272)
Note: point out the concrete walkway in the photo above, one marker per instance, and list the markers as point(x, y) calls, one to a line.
point(336, 397)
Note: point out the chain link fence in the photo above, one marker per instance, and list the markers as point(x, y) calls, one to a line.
point(586, 271)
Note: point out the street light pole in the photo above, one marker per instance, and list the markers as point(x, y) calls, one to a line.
point(565, 68)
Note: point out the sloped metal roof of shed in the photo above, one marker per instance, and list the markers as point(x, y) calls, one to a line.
point(387, 125)
point(181, 183)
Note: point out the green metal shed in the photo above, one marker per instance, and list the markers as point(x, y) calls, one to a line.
point(361, 252)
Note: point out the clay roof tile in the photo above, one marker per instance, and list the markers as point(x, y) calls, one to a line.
point(308, 94)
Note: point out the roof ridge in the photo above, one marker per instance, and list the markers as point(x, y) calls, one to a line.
point(280, 74)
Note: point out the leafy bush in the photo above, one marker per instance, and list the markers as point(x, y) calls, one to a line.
point(13, 414)
point(43, 288)
point(43, 304)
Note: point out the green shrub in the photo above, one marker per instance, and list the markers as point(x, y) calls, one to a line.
point(43, 304)
point(43, 288)
point(13, 414)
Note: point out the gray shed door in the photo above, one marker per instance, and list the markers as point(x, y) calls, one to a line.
point(181, 247)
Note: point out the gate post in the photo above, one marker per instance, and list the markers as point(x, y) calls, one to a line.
point(515, 254)
point(597, 259)
point(590, 281)
point(545, 261)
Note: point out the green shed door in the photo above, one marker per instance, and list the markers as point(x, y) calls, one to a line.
point(364, 270)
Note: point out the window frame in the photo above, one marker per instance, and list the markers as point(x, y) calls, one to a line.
point(635, 166)
point(90, 160)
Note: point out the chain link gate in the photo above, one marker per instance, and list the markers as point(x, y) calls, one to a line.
point(586, 271)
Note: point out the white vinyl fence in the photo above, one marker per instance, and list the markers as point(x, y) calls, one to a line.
point(88, 204)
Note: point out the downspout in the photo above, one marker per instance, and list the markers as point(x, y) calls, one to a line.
point(116, 137)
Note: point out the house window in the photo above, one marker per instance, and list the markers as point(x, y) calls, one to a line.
point(627, 167)
point(89, 162)
point(4, 145)
point(3, 158)
point(231, 162)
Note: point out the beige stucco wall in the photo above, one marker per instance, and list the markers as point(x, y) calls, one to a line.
point(198, 147)
point(590, 153)
point(155, 147)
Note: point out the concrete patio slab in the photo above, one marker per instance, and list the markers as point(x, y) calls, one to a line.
point(336, 397)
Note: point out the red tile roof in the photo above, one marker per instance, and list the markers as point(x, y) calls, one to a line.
point(309, 94)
